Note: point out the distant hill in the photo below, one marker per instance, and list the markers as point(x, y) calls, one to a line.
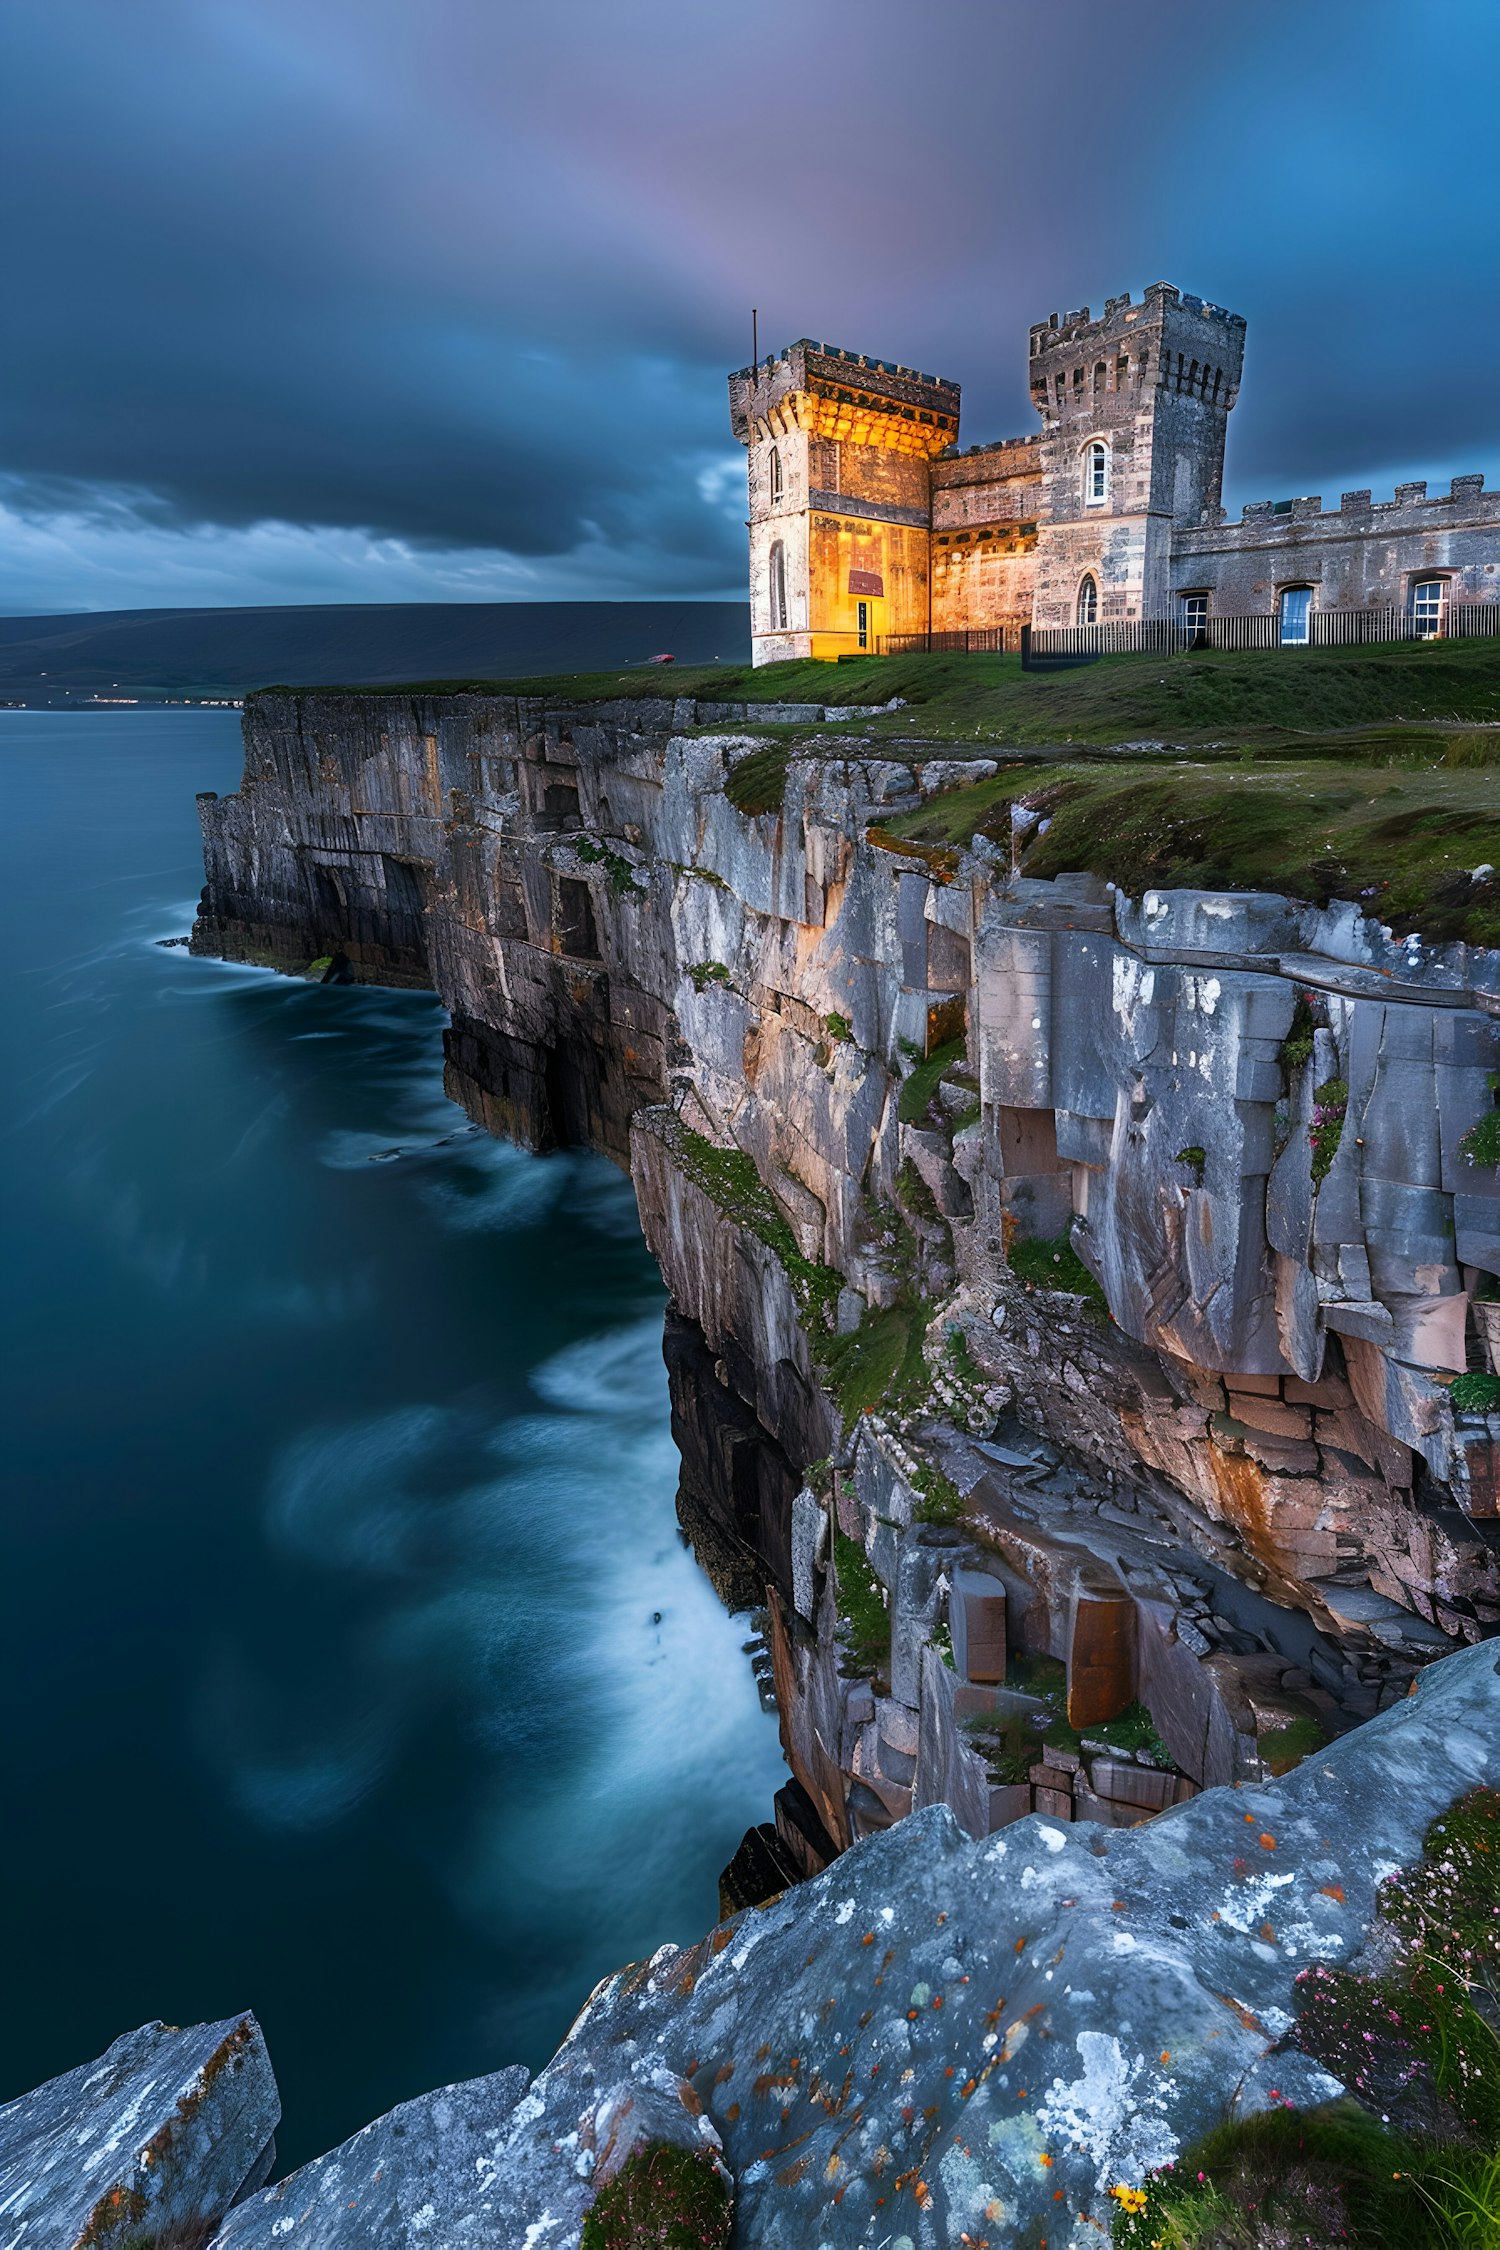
point(166, 654)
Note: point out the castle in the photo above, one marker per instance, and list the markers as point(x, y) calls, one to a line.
point(868, 525)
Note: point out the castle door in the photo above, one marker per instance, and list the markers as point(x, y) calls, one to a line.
point(867, 587)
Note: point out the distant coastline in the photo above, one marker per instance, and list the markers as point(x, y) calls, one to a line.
point(212, 658)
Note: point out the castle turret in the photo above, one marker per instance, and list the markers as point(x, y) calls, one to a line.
point(840, 502)
point(1134, 409)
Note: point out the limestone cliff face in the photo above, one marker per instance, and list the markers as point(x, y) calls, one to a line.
point(1241, 1497)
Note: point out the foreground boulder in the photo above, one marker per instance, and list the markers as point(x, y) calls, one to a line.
point(939, 2038)
point(153, 2142)
point(423, 2172)
point(442, 2171)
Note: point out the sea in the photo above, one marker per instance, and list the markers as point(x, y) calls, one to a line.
point(353, 1667)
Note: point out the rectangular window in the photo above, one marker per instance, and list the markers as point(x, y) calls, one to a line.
point(863, 615)
point(1195, 612)
point(1427, 604)
point(1296, 608)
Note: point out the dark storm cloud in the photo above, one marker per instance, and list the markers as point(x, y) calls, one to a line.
point(466, 276)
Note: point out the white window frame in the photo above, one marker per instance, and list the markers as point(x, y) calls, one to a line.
point(1087, 595)
point(1290, 595)
point(1096, 473)
point(1427, 616)
point(1193, 612)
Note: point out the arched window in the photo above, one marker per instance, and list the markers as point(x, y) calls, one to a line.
point(1095, 473)
point(1088, 601)
point(778, 588)
point(775, 475)
point(1296, 612)
point(1427, 604)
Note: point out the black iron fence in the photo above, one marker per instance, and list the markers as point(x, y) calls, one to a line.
point(979, 640)
point(1170, 636)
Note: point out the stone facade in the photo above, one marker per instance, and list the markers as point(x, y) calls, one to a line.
point(867, 522)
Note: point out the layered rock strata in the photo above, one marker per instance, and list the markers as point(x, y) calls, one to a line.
point(855, 1082)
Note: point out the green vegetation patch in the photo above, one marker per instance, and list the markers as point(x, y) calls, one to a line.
point(1475, 1393)
point(938, 1497)
point(1297, 1047)
point(1481, 1144)
point(662, 2198)
point(1012, 1742)
point(619, 873)
point(1400, 840)
point(881, 1362)
point(728, 1176)
point(1330, 1105)
point(756, 783)
point(919, 1087)
point(1387, 698)
point(1282, 1748)
point(1053, 1265)
point(864, 1620)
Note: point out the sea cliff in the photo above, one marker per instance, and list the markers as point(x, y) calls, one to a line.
point(1089, 1273)
point(1068, 1295)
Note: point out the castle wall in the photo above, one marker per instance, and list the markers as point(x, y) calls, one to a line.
point(984, 531)
point(983, 578)
point(850, 560)
point(1363, 554)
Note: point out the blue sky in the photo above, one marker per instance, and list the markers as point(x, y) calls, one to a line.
point(343, 300)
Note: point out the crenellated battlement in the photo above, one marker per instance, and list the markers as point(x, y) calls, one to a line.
point(1064, 331)
point(853, 381)
point(1466, 492)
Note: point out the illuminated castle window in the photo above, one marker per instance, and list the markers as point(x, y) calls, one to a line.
point(1088, 601)
point(778, 588)
point(1095, 473)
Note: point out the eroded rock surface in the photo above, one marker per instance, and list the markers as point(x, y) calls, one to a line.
point(153, 2142)
point(938, 2037)
point(428, 2171)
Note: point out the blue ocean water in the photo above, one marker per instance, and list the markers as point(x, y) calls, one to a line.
point(353, 1668)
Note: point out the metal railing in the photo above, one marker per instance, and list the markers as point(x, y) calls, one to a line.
point(977, 640)
point(1326, 628)
point(1169, 636)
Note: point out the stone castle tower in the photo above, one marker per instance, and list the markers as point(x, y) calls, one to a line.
point(1134, 410)
point(840, 451)
point(866, 521)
